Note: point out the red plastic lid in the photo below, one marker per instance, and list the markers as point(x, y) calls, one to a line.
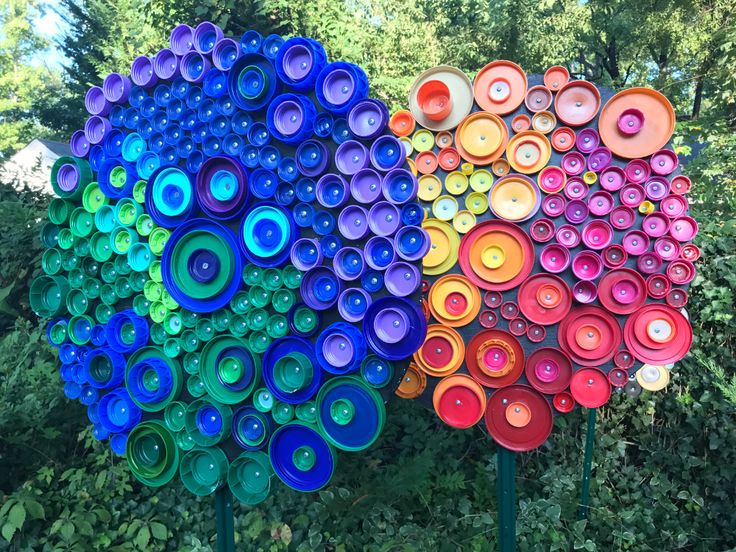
point(563, 139)
point(556, 77)
point(681, 272)
point(492, 299)
point(589, 335)
point(548, 370)
point(545, 299)
point(494, 358)
point(690, 252)
point(449, 159)
point(618, 377)
point(542, 230)
point(459, 401)
point(536, 333)
point(622, 291)
point(623, 359)
point(509, 310)
point(538, 98)
point(517, 326)
point(658, 334)
point(677, 298)
point(518, 418)
point(590, 387)
point(426, 162)
point(658, 286)
point(433, 98)
point(680, 184)
point(488, 319)
point(563, 402)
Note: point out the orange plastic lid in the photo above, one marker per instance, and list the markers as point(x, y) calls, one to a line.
point(500, 167)
point(481, 138)
point(636, 122)
point(454, 83)
point(426, 162)
point(497, 257)
point(544, 122)
point(538, 98)
point(577, 103)
point(520, 123)
point(459, 401)
point(528, 151)
point(563, 139)
point(443, 139)
point(500, 87)
point(402, 123)
point(514, 198)
point(454, 300)
point(556, 77)
point(412, 384)
point(442, 352)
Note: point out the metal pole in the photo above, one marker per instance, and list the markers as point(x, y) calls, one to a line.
point(224, 520)
point(506, 496)
point(587, 465)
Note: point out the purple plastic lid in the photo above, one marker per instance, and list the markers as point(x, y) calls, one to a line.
point(587, 140)
point(338, 349)
point(351, 156)
point(353, 222)
point(612, 178)
point(225, 53)
point(338, 87)
point(402, 279)
point(568, 236)
point(166, 64)
point(573, 163)
point(657, 188)
point(663, 162)
point(67, 177)
point(332, 191)
point(553, 205)
point(584, 292)
point(655, 225)
point(554, 258)
point(194, 67)
point(365, 186)
point(206, 36)
point(353, 303)
point(599, 159)
point(221, 175)
point(632, 195)
point(622, 217)
point(635, 242)
point(95, 102)
point(384, 218)
point(379, 252)
point(348, 263)
point(79, 144)
point(587, 265)
point(576, 188)
point(116, 88)
point(297, 62)
point(600, 203)
point(576, 211)
point(320, 287)
point(142, 73)
point(367, 118)
point(288, 117)
point(96, 128)
point(181, 39)
point(306, 254)
point(391, 325)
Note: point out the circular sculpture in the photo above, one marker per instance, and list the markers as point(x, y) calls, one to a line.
point(560, 246)
point(232, 269)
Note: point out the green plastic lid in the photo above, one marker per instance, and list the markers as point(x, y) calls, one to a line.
point(91, 287)
point(51, 261)
point(81, 222)
point(144, 225)
point(238, 325)
point(103, 313)
point(221, 319)
point(259, 296)
point(139, 191)
point(69, 260)
point(108, 295)
point(307, 412)
point(208, 421)
point(157, 240)
point(195, 386)
point(154, 271)
point(293, 372)
point(122, 287)
point(93, 198)
point(91, 266)
point(75, 277)
point(152, 454)
point(48, 295)
point(172, 323)
point(188, 318)
point(240, 303)
point(204, 329)
point(272, 279)
point(105, 218)
point(283, 300)
point(152, 290)
point(158, 334)
point(50, 235)
point(191, 363)
point(189, 341)
point(60, 210)
point(82, 171)
point(76, 302)
point(282, 413)
point(252, 274)
point(292, 277)
point(263, 400)
point(259, 341)
point(157, 311)
point(141, 305)
point(257, 319)
point(228, 369)
point(100, 247)
point(168, 300)
point(66, 239)
point(174, 415)
point(137, 281)
point(184, 441)
point(58, 335)
point(249, 477)
point(277, 326)
point(121, 238)
point(121, 265)
point(203, 470)
point(81, 247)
point(172, 347)
point(305, 319)
point(127, 211)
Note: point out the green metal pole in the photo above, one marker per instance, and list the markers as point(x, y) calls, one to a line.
point(506, 496)
point(224, 520)
point(587, 465)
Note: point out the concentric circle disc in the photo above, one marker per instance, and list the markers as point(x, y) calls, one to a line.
point(481, 138)
point(518, 418)
point(500, 87)
point(494, 358)
point(460, 91)
point(528, 151)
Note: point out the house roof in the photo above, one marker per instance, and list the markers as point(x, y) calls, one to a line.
point(59, 148)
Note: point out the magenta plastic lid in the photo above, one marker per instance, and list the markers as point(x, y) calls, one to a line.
point(584, 291)
point(542, 230)
point(599, 159)
point(353, 222)
point(663, 162)
point(667, 248)
point(587, 265)
point(597, 234)
point(681, 272)
point(655, 225)
point(402, 279)
point(622, 217)
point(351, 156)
point(573, 163)
point(551, 179)
point(568, 236)
point(635, 242)
point(554, 258)
point(365, 186)
point(657, 187)
point(684, 229)
point(649, 263)
point(612, 178)
point(576, 211)
point(630, 121)
point(632, 195)
point(637, 171)
point(384, 218)
point(600, 203)
point(614, 256)
point(673, 206)
point(576, 188)
point(587, 140)
point(553, 205)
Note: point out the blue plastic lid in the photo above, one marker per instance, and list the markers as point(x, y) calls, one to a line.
point(387, 153)
point(251, 42)
point(341, 131)
point(212, 145)
point(146, 164)
point(93, 414)
point(100, 433)
point(287, 169)
point(169, 197)
point(251, 429)
point(271, 46)
point(195, 97)
point(113, 143)
point(117, 412)
point(162, 95)
point(303, 214)
point(266, 234)
point(116, 115)
point(180, 88)
point(285, 194)
point(225, 106)
point(371, 281)
point(126, 332)
point(350, 414)
point(209, 420)
point(149, 381)
point(252, 82)
point(88, 395)
point(219, 126)
point(290, 118)
point(278, 349)
point(118, 443)
point(263, 183)
point(306, 190)
point(175, 109)
point(233, 144)
point(241, 122)
point(301, 457)
point(323, 124)
point(312, 157)
point(72, 390)
point(258, 134)
point(269, 157)
point(330, 245)
point(412, 214)
point(249, 156)
point(320, 288)
point(148, 107)
point(195, 161)
point(215, 83)
point(104, 368)
point(299, 62)
point(376, 371)
point(68, 353)
point(323, 223)
point(132, 118)
point(136, 95)
point(394, 327)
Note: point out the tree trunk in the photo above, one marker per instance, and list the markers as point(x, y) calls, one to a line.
point(698, 100)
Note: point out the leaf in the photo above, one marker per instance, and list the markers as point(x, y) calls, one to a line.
point(17, 515)
point(35, 510)
point(100, 480)
point(143, 537)
point(67, 530)
point(8, 531)
point(158, 530)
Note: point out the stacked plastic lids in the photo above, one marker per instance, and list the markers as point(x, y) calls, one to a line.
point(560, 246)
point(232, 268)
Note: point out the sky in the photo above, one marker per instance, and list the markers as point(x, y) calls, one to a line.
point(50, 25)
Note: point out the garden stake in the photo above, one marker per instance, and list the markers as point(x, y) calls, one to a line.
point(506, 496)
point(587, 465)
point(224, 520)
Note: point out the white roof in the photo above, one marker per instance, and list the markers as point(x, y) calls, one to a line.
point(31, 166)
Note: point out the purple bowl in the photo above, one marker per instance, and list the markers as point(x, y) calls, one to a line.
point(402, 279)
point(142, 73)
point(338, 87)
point(181, 39)
point(368, 118)
point(166, 64)
point(95, 102)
